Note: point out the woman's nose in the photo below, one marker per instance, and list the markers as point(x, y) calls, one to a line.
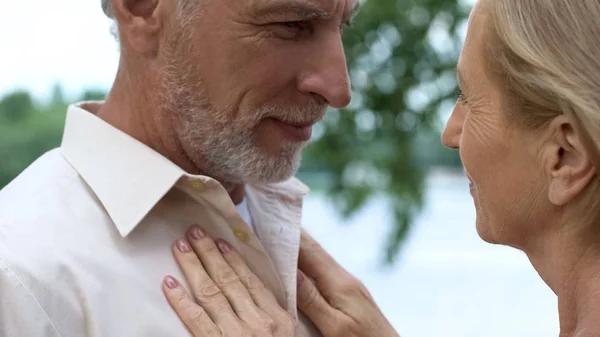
point(453, 130)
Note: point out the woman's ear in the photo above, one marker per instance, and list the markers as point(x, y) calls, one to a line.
point(568, 164)
point(139, 24)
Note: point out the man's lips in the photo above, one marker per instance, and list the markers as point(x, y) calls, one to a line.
point(296, 132)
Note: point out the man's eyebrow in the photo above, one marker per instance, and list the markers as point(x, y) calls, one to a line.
point(301, 10)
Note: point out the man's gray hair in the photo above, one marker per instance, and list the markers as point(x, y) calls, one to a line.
point(107, 8)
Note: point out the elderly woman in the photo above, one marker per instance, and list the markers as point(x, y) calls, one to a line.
point(527, 125)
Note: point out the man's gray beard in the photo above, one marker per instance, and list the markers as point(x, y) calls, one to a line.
point(228, 152)
point(223, 149)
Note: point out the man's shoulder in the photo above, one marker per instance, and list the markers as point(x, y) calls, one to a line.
point(47, 195)
point(50, 173)
point(46, 213)
point(47, 170)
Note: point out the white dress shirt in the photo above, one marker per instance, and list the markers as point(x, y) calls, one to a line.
point(244, 211)
point(86, 234)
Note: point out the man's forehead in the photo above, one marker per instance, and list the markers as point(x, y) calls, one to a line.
point(308, 8)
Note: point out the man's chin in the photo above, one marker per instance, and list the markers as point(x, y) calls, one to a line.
point(275, 171)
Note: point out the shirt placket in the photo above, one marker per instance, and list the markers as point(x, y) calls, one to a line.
point(237, 232)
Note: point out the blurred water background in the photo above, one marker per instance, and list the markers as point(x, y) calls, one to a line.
point(447, 282)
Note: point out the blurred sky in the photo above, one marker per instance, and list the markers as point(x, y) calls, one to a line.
point(59, 41)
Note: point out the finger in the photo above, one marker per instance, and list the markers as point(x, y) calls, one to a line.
point(314, 305)
point(190, 313)
point(314, 261)
point(262, 296)
point(223, 275)
point(204, 290)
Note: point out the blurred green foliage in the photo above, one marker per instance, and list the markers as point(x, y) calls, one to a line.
point(26, 131)
point(401, 56)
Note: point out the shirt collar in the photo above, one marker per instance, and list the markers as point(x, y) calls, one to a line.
point(128, 177)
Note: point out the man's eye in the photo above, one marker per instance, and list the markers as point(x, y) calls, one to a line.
point(299, 25)
point(291, 29)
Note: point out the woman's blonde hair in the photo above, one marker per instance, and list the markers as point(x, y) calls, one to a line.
point(546, 55)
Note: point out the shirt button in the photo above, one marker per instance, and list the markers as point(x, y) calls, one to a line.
point(197, 185)
point(241, 234)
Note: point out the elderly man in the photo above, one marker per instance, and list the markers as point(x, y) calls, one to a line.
point(212, 104)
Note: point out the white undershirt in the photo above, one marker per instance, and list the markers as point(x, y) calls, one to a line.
point(245, 212)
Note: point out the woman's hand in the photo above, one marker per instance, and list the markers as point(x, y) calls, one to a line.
point(227, 299)
point(337, 303)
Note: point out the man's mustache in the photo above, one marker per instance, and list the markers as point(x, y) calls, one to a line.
point(305, 115)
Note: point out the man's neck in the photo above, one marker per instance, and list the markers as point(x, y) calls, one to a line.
point(569, 262)
point(134, 111)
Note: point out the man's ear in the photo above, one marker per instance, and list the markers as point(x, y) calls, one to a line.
point(568, 164)
point(139, 24)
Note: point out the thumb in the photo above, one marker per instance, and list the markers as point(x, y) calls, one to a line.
point(313, 304)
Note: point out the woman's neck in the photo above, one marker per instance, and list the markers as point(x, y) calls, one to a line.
point(569, 262)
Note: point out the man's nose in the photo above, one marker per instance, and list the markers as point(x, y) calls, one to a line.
point(327, 73)
point(453, 130)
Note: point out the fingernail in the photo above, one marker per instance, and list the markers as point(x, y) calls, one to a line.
point(300, 278)
point(224, 246)
point(197, 233)
point(183, 246)
point(170, 282)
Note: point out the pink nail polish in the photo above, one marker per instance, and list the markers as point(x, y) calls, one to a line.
point(171, 282)
point(197, 233)
point(183, 246)
point(224, 246)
